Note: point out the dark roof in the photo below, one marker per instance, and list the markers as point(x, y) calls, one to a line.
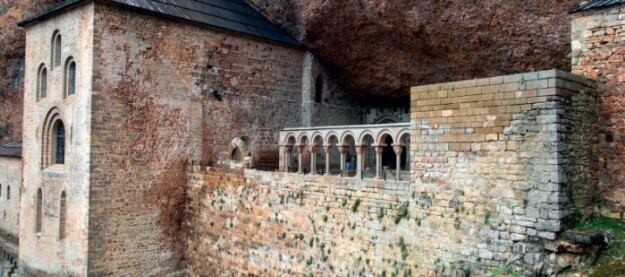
point(595, 4)
point(231, 15)
point(13, 149)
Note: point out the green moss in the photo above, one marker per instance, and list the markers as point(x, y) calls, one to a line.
point(380, 213)
point(356, 205)
point(402, 212)
point(403, 248)
point(611, 261)
point(325, 218)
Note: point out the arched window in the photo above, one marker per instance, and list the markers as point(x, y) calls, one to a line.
point(319, 89)
point(62, 215)
point(56, 49)
point(42, 82)
point(69, 84)
point(58, 142)
point(38, 211)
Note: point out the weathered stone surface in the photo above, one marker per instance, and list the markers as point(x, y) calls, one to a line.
point(383, 47)
point(12, 65)
point(599, 54)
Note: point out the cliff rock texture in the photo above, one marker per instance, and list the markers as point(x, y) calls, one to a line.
point(376, 48)
point(381, 47)
point(12, 64)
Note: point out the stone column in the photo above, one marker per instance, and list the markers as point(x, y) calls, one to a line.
point(313, 158)
point(343, 149)
point(379, 149)
point(360, 150)
point(398, 149)
point(327, 149)
point(300, 161)
point(287, 158)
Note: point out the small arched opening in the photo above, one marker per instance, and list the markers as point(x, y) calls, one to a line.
point(349, 152)
point(388, 154)
point(291, 162)
point(319, 89)
point(58, 142)
point(368, 166)
point(320, 155)
point(334, 164)
point(38, 211)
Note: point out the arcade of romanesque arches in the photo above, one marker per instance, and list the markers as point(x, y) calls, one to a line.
point(378, 151)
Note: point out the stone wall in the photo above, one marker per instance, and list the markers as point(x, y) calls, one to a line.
point(46, 252)
point(516, 151)
point(598, 42)
point(10, 183)
point(497, 166)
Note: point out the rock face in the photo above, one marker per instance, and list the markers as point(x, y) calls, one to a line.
point(376, 48)
point(379, 48)
point(12, 64)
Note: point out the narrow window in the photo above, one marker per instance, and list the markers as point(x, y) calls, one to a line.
point(58, 133)
point(62, 215)
point(0, 190)
point(38, 211)
point(8, 192)
point(319, 89)
point(69, 77)
point(42, 82)
point(56, 49)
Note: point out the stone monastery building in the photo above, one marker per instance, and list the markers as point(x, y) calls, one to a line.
point(194, 137)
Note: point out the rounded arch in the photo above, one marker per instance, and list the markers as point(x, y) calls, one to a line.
point(38, 210)
point(317, 139)
point(329, 136)
point(319, 89)
point(62, 215)
point(302, 139)
point(363, 135)
point(56, 48)
point(42, 81)
point(386, 119)
point(345, 135)
point(69, 77)
point(53, 139)
point(401, 134)
point(382, 134)
point(239, 149)
point(290, 139)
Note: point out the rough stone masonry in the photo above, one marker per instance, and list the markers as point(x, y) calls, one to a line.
point(499, 167)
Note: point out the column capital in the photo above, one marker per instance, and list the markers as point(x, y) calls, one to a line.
point(300, 148)
point(360, 149)
point(314, 148)
point(398, 149)
point(379, 148)
point(288, 148)
point(327, 148)
point(343, 149)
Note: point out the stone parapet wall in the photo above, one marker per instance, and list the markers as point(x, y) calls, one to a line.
point(598, 53)
point(500, 167)
point(516, 151)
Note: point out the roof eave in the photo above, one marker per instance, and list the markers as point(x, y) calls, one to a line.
point(580, 9)
point(50, 12)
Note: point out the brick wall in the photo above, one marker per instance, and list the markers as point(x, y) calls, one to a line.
point(598, 42)
point(160, 98)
